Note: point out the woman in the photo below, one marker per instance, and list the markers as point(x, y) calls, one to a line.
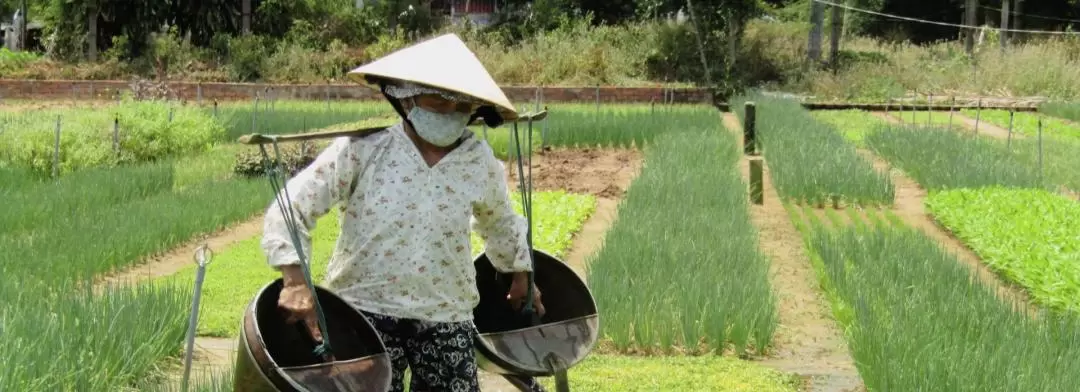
point(408, 196)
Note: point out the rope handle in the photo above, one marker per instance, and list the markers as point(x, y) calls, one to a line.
point(526, 203)
point(284, 203)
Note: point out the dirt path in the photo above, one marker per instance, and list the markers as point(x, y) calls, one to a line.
point(910, 206)
point(808, 341)
point(962, 122)
point(178, 258)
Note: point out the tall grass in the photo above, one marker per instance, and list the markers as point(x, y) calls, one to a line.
point(940, 158)
point(809, 160)
point(56, 333)
point(662, 280)
point(42, 203)
point(586, 126)
point(98, 239)
point(875, 70)
point(293, 116)
point(60, 337)
point(921, 321)
point(1069, 110)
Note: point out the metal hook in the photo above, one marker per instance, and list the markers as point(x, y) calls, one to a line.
point(203, 255)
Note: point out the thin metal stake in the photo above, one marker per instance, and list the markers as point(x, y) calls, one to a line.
point(203, 255)
point(543, 133)
point(116, 135)
point(930, 110)
point(978, 115)
point(598, 97)
point(255, 110)
point(56, 151)
point(1008, 142)
point(952, 107)
point(1040, 150)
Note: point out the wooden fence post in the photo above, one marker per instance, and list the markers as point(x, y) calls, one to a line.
point(757, 188)
point(749, 133)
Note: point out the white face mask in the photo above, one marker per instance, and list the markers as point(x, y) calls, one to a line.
point(439, 129)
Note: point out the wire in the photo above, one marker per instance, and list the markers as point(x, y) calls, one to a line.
point(1011, 13)
point(943, 23)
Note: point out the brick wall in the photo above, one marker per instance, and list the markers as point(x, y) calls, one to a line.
point(108, 89)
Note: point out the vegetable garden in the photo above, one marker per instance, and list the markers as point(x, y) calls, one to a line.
point(688, 287)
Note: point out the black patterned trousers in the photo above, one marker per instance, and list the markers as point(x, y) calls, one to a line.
point(439, 355)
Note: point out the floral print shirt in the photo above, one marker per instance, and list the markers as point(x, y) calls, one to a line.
point(404, 248)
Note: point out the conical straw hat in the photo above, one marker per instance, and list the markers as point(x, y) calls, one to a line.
point(443, 62)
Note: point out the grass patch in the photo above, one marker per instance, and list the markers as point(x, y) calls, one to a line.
point(805, 157)
point(239, 271)
point(101, 238)
point(1027, 124)
point(674, 373)
point(919, 319)
point(33, 203)
point(620, 126)
point(293, 116)
point(115, 338)
point(600, 372)
point(1027, 235)
point(666, 236)
point(940, 159)
point(853, 124)
point(949, 120)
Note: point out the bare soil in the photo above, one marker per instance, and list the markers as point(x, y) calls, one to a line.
point(808, 342)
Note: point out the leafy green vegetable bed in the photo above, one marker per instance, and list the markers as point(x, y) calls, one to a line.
point(239, 271)
point(1030, 236)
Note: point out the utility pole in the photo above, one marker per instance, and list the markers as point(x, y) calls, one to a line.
point(817, 19)
point(92, 33)
point(834, 36)
point(20, 29)
point(1018, 20)
point(1004, 25)
point(971, 12)
point(245, 21)
point(701, 44)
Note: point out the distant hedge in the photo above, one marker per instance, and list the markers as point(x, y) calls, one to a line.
point(148, 131)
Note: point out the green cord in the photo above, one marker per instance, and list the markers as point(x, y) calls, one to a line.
point(285, 206)
point(526, 204)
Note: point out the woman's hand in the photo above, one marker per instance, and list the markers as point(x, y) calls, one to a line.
point(519, 289)
point(297, 302)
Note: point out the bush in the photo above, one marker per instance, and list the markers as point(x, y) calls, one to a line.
point(146, 133)
point(294, 157)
